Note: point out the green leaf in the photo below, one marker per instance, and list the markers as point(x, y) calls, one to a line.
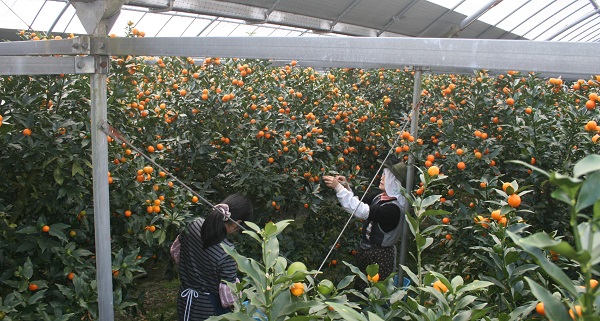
point(58, 233)
point(346, 312)
point(249, 267)
point(413, 224)
point(237, 316)
point(568, 184)
point(374, 317)
point(76, 169)
point(462, 316)
point(412, 276)
point(553, 307)
point(544, 241)
point(429, 200)
point(590, 241)
point(271, 252)
point(529, 166)
point(590, 163)
point(589, 193)
point(59, 176)
point(345, 282)
point(27, 269)
point(473, 286)
point(37, 296)
point(436, 212)
point(554, 271)
point(372, 269)
point(30, 229)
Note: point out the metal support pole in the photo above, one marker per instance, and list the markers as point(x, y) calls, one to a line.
point(98, 94)
point(410, 171)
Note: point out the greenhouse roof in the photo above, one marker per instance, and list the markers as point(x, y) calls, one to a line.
point(539, 20)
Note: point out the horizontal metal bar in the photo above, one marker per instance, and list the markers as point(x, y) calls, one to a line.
point(552, 58)
point(24, 65)
point(74, 46)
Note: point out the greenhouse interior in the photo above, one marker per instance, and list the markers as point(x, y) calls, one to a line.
point(122, 122)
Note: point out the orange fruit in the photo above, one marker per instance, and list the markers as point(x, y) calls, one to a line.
point(445, 220)
point(505, 185)
point(448, 237)
point(539, 308)
point(510, 101)
point(496, 215)
point(514, 200)
point(374, 278)
point(152, 228)
point(46, 229)
point(590, 104)
point(433, 170)
point(593, 283)
point(575, 310)
point(297, 288)
point(127, 213)
point(148, 169)
point(195, 199)
point(150, 149)
point(27, 132)
point(33, 287)
point(438, 285)
point(461, 165)
point(71, 276)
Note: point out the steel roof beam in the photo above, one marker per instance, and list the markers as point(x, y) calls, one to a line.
point(397, 17)
point(453, 32)
point(522, 22)
point(440, 17)
point(62, 12)
point(584, 32)
point(552, 26)
point(341, 15)
point(572, 24)
point(501, 20)
point(545, 20)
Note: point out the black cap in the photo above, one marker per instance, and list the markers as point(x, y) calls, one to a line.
point(397, 167)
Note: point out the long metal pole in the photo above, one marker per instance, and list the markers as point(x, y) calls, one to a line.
point(98, 90)
point(410, 171)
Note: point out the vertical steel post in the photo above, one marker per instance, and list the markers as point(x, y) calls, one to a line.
point(410, 171)
point(98, 94)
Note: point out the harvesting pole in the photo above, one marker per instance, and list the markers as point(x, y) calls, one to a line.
point(410, 170)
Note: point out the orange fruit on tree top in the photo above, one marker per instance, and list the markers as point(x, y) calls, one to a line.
point(461, 165)
point(514, 200)
point(433, 170)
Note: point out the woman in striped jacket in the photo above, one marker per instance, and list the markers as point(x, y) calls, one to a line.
point(203, 264)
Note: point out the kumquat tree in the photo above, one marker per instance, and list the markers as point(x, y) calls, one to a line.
point(504, 219)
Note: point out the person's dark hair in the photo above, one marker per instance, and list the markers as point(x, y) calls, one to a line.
point(213, 228)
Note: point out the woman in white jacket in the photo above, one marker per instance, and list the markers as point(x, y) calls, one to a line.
point(382, 215)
